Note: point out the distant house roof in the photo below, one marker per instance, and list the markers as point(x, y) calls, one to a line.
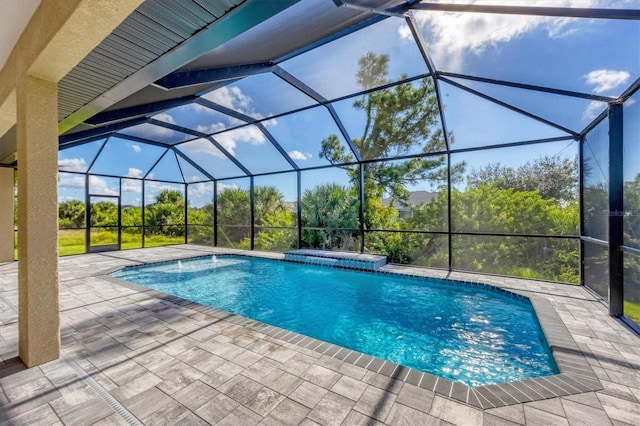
point(416, 197)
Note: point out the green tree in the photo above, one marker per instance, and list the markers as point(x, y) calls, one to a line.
point(553, 176)
point(71, 214)
point(200, 221)
point(103, 213)
point(166, 215)
point(632, 238)
point(131, 219)
point(272, 218)
point(234, 216)
point(334, 209)
point(270, 209)
point(487, 208)
point(400, 120)
point(274, 221)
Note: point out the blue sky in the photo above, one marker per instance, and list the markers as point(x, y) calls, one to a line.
point(586, 55)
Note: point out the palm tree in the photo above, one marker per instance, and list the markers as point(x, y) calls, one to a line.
point(335, 208)
point(71, 214)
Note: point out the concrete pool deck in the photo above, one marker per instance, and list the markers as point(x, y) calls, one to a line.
point(132, 355)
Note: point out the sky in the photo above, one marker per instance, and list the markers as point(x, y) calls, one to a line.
point(591, 56)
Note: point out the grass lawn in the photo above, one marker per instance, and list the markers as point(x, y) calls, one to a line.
point(71, 241)
point(632, 311)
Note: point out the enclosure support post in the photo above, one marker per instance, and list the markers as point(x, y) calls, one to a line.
point(120, 214)
point(616, 210)
point(87, 214)
point(581, 205)
point(215, 214)
point(449, 226)
point(6, 214)
point(299, 208)
point(252, 213)
point(144, 224)
point(362, 200)
point(186, 213)
point(37, 136)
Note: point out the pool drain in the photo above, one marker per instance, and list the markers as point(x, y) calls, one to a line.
point(108, 398)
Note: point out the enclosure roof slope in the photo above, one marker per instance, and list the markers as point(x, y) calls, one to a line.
point(245, 96)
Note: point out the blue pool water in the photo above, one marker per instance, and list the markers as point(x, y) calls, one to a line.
point(462, 333)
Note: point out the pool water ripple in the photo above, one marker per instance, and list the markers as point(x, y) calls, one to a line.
point(461, 333)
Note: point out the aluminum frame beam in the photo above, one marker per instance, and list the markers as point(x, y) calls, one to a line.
point(139, 110)
point(191, 78)
point(568, 12)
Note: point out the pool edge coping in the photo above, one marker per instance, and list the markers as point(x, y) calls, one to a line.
point(575, 377)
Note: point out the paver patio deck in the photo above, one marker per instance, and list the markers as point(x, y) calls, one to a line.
point(132, 356)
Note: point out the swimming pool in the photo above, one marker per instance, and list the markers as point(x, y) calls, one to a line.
point(462, 333)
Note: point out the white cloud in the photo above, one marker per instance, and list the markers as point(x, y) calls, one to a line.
point(194, 178)
point(167, 118)
point(71, 182)
point(233, 98)
point(228, 140)
point(247, 134)
point(606, 80)
point(297, 155)
point(223, 187)
point(100, 186)
point(200, 194)
point(450, 34)
point(227, 143)
point(153, 188)
point(212, 128)
point(73, 164)
point(135, 201)
point(133, 172)
point(203, 146)
point(151, 131)
point(199, 109)
point(593, 109)
point(200, 189)
point(136, 148)
point(132, 185)
point(63, 198)
point(270, 122)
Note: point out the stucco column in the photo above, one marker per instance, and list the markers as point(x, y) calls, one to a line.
point(37, 134)
point(6, 214)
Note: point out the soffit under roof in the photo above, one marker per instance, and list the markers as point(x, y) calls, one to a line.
point(152, 30)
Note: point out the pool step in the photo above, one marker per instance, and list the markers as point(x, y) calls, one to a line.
point(369, 262)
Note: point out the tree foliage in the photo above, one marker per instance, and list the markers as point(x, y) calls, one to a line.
point(71, 214)
point(553, 176)
point(273, 219)
point(166, 215)
point(400, 120)
point(334, 209)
